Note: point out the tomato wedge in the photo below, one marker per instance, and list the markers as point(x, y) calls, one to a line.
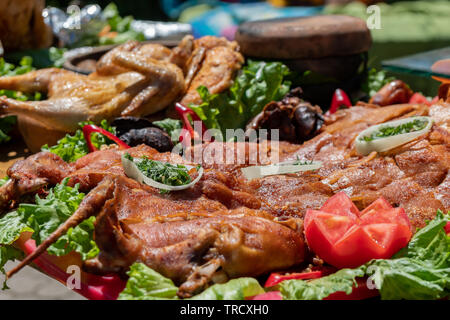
point(346, 238)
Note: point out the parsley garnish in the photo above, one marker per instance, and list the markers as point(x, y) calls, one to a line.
point(415, 125)
point(165, 173)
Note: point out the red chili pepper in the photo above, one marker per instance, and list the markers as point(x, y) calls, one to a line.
point(276, 278)
point(340, 99)
point(358, 293)
point(89, 129)
point(188, 133)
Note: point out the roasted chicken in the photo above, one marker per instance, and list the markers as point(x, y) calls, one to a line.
point(131, 80)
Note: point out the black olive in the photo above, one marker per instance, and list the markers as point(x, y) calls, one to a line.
point(151, 136)
point(125, 124)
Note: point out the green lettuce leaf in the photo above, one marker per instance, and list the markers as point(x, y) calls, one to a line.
point(8, 253)
point(147, 284)
point(236, 289)
point(317, 289)
point(172, 127)
point(6, 125)
point(421, 270)
point(11, 227)
point(72, 147)
point(45, 216)
point(258, 84)
point(79, 239)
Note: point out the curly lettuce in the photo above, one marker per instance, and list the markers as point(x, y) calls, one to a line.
point(42, 218)
point(72, 147)
point(258, 84)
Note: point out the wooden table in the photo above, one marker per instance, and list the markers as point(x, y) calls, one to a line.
point(10, 152)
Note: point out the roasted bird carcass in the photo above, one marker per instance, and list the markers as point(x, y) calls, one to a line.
point(131, 80)
point(187, 236)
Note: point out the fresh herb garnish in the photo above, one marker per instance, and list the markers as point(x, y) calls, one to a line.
point(388, 131)
point(165, 173)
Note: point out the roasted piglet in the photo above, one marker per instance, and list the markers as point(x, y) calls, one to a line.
point(228, 226)
point(186, 236)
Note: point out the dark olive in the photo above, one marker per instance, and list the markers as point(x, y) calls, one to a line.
point(153, 137)
point(125, 124)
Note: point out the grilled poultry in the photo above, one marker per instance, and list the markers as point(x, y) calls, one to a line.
point(189, 235)
point(147, 86)
point(131, 80)
point(213, 63)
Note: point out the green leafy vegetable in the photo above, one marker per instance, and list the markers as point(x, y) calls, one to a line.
point(258, 84)
point(56, 56)
point(43, 217)
point(388, 131)
point(8, 69)
point(121, 25)
point(8, 253)
point(146, 284)
point(236, 289)
point(343, 280)
point(72, 147)
point(419, 271)
point(6, 125)
point(375, 81)
point(172, 127)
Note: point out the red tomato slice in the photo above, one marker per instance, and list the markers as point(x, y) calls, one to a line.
point(447, 228)
point(340, 204)
point(418, 98)
point(347, 238)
